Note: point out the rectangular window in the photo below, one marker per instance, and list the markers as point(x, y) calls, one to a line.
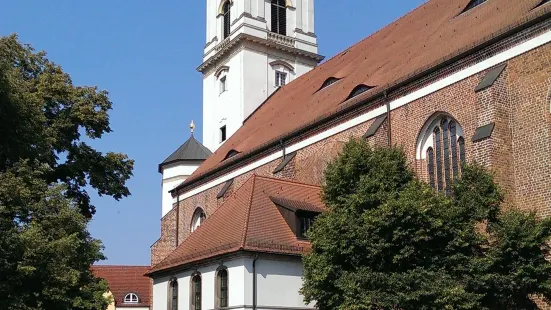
point(280, 78)
point(223, 86)
point(222, 133)
point(305, 224)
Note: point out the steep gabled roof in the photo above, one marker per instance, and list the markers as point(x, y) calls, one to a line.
point(248, 220)
point(191, 150)
point(126, 279)
point(424, 38)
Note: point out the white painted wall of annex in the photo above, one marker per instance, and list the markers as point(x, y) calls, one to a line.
point(278, 285)
point(133, 308)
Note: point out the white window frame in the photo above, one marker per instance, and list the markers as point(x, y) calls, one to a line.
point(197, 218)
point(131, 298)
point(280, 76)
point(223, 84)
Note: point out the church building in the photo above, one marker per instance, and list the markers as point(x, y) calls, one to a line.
point(452, 81)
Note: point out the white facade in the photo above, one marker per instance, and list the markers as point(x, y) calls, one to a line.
point(277, 287)
point(173, 175)
point(239, 71)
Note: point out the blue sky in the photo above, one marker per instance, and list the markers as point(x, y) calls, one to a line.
point(145, 53)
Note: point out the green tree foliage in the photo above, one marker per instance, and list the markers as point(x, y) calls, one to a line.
point(45, 171)
point(42, 118)
point(389, 241)
point(45, 248)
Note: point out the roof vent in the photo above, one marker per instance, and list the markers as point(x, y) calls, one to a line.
point(473, 4)
point(329, 82)
point(362, 88)
point(231, 154)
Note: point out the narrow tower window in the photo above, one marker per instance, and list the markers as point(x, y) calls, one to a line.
point(223, 85)
point(226, 19)
point(280, 78)
point(279, 17)
point(223, 134)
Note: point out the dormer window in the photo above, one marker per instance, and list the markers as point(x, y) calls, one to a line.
point(131, 298)
point(305, 222)
point(300, 215)
point(330, 81)
point(473, 4)
point(279, 17)
point(360, 89)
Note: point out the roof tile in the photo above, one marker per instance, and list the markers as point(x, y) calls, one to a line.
point(419, 40)
point(126, 279)
point(248, 220)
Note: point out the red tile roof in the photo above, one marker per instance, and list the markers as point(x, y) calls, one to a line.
point(126, 279)
point(248, 220)
point(434, 32)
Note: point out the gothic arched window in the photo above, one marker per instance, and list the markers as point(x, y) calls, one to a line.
point(196, 292)
point(173, 295)
point(442, 145)
point(279, 17)
point(197, 219)
point(226, 20)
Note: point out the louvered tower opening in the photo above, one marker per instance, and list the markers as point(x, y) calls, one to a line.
point(279, 17)
point(226, 19)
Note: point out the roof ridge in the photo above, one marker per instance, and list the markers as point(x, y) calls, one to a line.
point(250, 206)
point(288, 182)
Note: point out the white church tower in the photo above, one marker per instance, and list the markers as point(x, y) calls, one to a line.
point(253, 47)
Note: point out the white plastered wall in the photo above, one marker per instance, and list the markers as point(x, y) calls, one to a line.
point(173, 175)
point(278, 285)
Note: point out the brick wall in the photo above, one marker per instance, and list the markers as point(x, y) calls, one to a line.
point(518, 152)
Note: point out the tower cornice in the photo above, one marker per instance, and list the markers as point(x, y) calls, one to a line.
point(276, 41)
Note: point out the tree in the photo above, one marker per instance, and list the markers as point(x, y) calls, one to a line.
point(45, 249)
point(45, 170)
point(42, 118)
point(389, 241)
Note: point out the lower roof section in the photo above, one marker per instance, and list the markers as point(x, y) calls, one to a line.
point(247, 221)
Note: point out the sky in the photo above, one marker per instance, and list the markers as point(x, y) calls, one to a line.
point(145, 54)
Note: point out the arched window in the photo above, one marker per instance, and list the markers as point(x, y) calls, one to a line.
point(131, 298)
point(279, 17)
point(197, 219)
point(173, 295)
point(226, 20)
point(196, 292)
point(222, 288)
point(442, 145)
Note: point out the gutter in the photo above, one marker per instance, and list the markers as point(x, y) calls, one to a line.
point(389, 88)
point(254, 281)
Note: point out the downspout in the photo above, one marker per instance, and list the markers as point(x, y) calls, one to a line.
point(254, 281)
point(389, 131)
point(177, 216)
point(282, 147)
